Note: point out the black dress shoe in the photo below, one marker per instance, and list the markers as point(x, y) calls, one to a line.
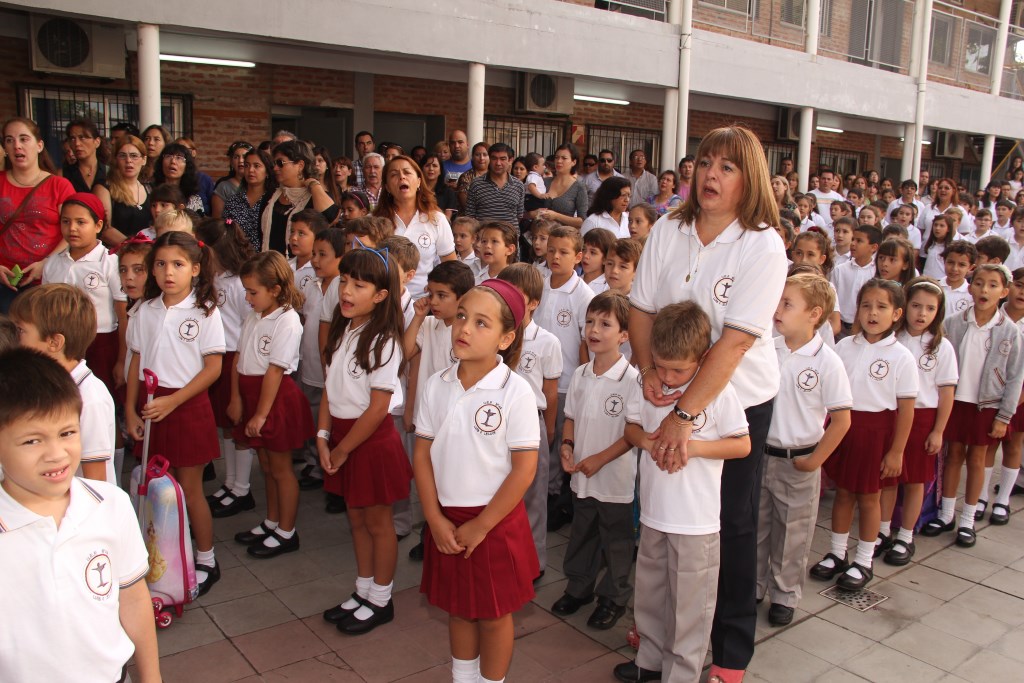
point(966, 537)
point(780, 615)
point(850, 583)
point(335, 504)
point(212, 577)
point(338, 614)
point(215, 497)
point(823, 572)
point(558, 518)
point(882, 544)
point(1000, 514)
point(605, 616)
point(567, 604)
point(416, 552)
point(979, 511)
point(230, 505)
point(248, 537)
point(381, 615)
point(900, 553)
point(284, 545)
point(629, 672)
point(308, 483)
point(936, 526)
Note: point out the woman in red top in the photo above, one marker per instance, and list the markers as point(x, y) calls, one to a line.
point(30, 199)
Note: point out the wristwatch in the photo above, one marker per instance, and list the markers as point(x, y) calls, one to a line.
point(683, 415)
point(569, 442)
point(323, 434)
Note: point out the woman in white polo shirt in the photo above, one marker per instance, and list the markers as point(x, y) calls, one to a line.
point(719, 250)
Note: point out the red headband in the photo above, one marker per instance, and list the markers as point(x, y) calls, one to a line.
point(91, 201)
point(510, 295)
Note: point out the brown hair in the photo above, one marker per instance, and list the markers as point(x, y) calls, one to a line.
point(612, 304)
point(206, 294)
point(824, 245)
point(376, 228)
point(115, 182)
point(927, 284)
point(509, 233)
point(681, 332)
point(8, 334)
point(403, 251)
point(62, 309)
point(45, 162)
point(600, 238)
point(567, 233)
point(34, 386)
point(525, 278)
point(426, 202)
point(628, 249)
point(271, 270)
point(817, 292)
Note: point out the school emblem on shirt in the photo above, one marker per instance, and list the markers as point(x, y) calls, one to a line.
point(1005, 346)
point(988, 343)
point(700, 421)
point(99, 575)
point(304, 281)
point(188, 330)
point(423, 240)
point(878, 369)
point(264, 345)
point(961, 304)
point(355, 370)
point(564, 317)
point(927, 362)
point(487, 418)
point(613, 405)
point(92, 281)
point(222, 298)
point(722, 289)
point(807, 380)
point(527, 361)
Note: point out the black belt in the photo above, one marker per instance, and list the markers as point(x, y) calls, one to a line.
point(789, 453)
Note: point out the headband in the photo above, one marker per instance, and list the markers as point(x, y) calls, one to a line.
point(137, 238)
point(928, 284)
point(381, 253)
point(512, 297)
point(91, 201)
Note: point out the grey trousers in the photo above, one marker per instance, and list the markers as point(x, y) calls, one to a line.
point(555, 472)
point(309, 454)
point(601, 537)
point(401, 510)
point(536, 499)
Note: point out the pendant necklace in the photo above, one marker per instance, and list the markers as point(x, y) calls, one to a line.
point(690, 262)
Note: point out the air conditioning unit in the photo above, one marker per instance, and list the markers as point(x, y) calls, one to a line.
point(544, 94)
point(789, 125)
point(948, 145)
point(83, 48)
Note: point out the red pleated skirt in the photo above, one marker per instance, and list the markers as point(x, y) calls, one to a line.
point(289, 423)
point(856, 466)
point(220, 392)
point(101, 356)
point(188, 436)
point(1016, 422)
point(496, 580)
point(376, 473)
point(918, 466)
point(970, 426)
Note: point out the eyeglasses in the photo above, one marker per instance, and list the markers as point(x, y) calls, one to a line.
point(128, 157)
point(281, 162)
point(589, 163)
point(176, 157)
point(79, 138)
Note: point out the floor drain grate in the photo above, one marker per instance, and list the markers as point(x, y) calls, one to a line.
point(861, 600)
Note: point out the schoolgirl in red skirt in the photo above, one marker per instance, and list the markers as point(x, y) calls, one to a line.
point(269, 410)
point(883, 380)
point(178, 334)
point(360, 452)
point(475, 457)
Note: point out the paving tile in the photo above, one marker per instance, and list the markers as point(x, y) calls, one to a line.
point(214, 663)
point(876, 624)
point(559, 647)
point(525, 668)
point(961, 622)
point(1008, 581)
point(389, 654)
point(313, 597)
point(933, 582)
point(442, 673)
point(246, 615)
point(838, 675)
point(192, 629)
point(991, 603)
point(905, 602)
point(780, 662)
point(965, 566)
point(284, 570)
point(310, 671)
point(930, 645)
point(1011, 534)
point(532, 618)
point(882, 664)
point(279, 646)
point(236, 582)
point(1002, 554)
point(989, 666)
point(599, 669)
point(1011, 645)
point(825, 640)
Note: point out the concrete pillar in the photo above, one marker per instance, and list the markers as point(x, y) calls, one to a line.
point(685, 58)
point(362, 114)
point(988, 151)
point(669, 121)
point(803, 149)
point(907, 162)
point(922, 87)
point(149, 75)
point(475, 99)
point(811, 29)
point(995, 85)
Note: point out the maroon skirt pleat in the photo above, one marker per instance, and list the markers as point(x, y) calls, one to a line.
point(1016, 422)
point(970, 426)
point(220, 392)
point(919, 466)
point(856, 466)
point(289, 423)
point(101, 356)
point(376, 473)
point(188, 436)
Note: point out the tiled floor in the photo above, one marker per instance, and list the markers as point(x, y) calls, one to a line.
point(952, 615)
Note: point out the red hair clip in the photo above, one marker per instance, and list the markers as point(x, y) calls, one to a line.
point(229, 221)
point(201, 244)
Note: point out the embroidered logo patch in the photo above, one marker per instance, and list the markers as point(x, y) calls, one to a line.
point(354, 369)
point(222, 297)
point(305, 281)
point(99, 575)
point(92, 281)
point(961, 304)
point(807, 380)
point(188, 330)
point(564, 317)
point(927, 362)
point(527, 361)
point(720, 292)
point(613, 405)
point(424, 241)
point(487, 418)
point(264, 345)
point(878, 369)
point(700, 421)
point(1005, 346)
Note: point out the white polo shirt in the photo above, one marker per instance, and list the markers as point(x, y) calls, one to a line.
point(958, 299)
point(473, 432)
point(60, 604)
point(974, 348)
point(232, 306)
point(272, 339)
point(1016, 258)
point(96, 275)
point(541, 359)
point(563, 312)
point(97, 420)
point(435, 341)
point(879, 373)
point(848, 278)
point(432, 235)
point(128, 335)
point(408, 311)
point(597, 406)
point(814, 383)
point(311, 372)
point(173, 342)
point(687, 502)
point(304, 274)
point(737, 279)
point(934, 370)
point(329, 302)
point(348, 385)
point(605, 220)
point(598, 285)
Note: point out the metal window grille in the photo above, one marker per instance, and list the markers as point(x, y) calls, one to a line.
point(54, 107)
point(622, 141)
point(942, 37)
point(842, 162)
point(936, 169)
point(742, 6)
point(793, 13)
point(525, 135)
point(775, 152)
point(649, 9)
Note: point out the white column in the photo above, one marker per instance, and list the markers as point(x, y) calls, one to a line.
point(811, 29)
point(996, 64)
point(907, 162)
point(149, 75)
point(685, 57)
point(988, 152)
point(803, 150)
point(475, 99)
point(669, 121)
point(922, 87)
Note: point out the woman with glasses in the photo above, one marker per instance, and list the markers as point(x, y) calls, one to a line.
point(124, 197)
point(231, 183)
point(297, 189)
point(176, 166)
point(91, 156)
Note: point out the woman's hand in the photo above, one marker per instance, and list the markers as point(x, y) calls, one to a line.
point(443, 532)
point(5, 276)
point(470, 535)
point(670, 448)
point(653, 393)
point(159, 408)
point(31, 274)
point(134, 424)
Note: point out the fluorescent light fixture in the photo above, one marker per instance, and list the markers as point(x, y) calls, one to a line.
point(828, 129)
point(601, 100)
point(207, 60)
point(926, 142)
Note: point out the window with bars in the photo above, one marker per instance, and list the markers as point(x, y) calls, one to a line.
point(53, 107)
point(525, 135)
point(793, 13)
point(841, 161)
point(741, 6)
point(936, 169)
point(942, 39)
point(775, 153)
point(622, 141)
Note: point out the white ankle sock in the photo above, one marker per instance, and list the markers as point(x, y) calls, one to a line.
point(205, 558)
point(865, 552)
point(967, 516)
point(839, 542)
point(885, 528)
point(987, 486)
point(363, 584)
point(259, 529)
point(905, 535)
point(947, 509)
point(488, 680)
point(227, 447)
point(379, 596)
point(243, 471)
point(272, 542)
point(465, 670)
point(119, 464)
point(1007, 479)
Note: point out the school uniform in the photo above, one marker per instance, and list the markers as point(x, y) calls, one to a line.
point(303, 273)
point(273, 339)
point(473, 435)
point(602, 532)
point(543, 269)
point(329, 301)
point(619, 228)
point(173, 343)
point(95, 274)
point(472, 260)
point(677, 566)
point(840, 259)
point(61, 604)
point(1017, 423)
point(377, 472)
point(935, 370)
point(598, 284)
point(1016, 258)
point(957, 298)
point(814, 384)
point(311, 370)
point(432, 235)
point(973, 235)
point(934, 264)
point(848, 279)
point(880, 374)
point(98, 424)
point(233, 311)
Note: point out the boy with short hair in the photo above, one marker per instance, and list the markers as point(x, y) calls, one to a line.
point(1016, 259)
point(1003, 225)
point(992, 249)
point(8, 334)
point(60, 321)
point(535, 175)
point(678, 563)
point(982, 226)
point(620, 267)
point(71, 547)
point(849, 277)
point(497, 242)
point(596, 245)
point(306, 225)
point(814, 385)
point(959, 259)
point(464, 229)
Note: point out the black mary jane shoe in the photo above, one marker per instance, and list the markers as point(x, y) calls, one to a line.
point(212, 577)
point(381, 615)
point(310, 483)
point(1000, 514)
point(936, 526)
point(629, 672)
point(850, 583)
point(882, 544)
point(900, 553)
point(338, 614)
point(780, 615)
point(568, 604)
point(606, 615)
point(335, 504)
point(284, 545)
point(823, 572)
point(233, 506)
point(966, 537)
point(248, 537)
point(214, 498)
point(416, 552)
point(979, 510)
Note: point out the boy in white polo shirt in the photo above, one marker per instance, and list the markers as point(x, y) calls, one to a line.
point(678, 563)
point(71, 547)
point(814, 385)
point(849, 277)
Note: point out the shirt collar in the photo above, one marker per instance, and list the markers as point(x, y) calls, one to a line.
point(80, 372)
point(972, 320)
point(732, 233)
point(495, 379)
point(811, 348)
point(615, 373)
point(531, 331)
point(83, 498)
point(188, 302)
point(887, 341)
point(962, 288)
point(277, 313)
point(94, 256)
point(570, 285)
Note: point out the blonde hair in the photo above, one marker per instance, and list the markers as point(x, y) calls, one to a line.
point(681, 332)
point(116, 184)
point(817, 292)
point(175, 219)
